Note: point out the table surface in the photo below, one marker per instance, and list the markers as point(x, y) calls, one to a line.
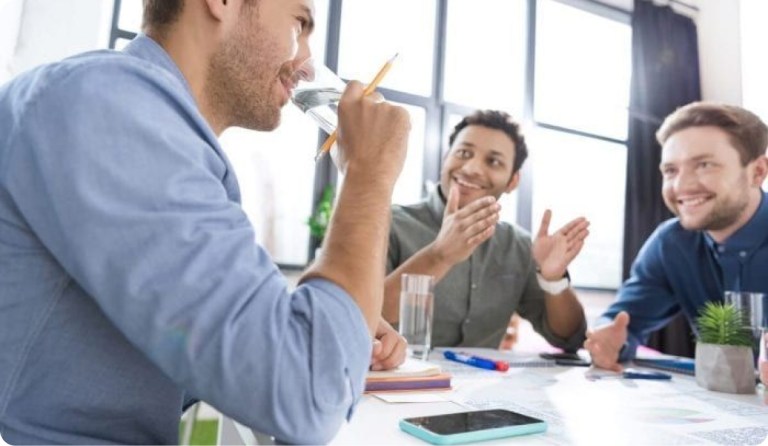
point(581, 406)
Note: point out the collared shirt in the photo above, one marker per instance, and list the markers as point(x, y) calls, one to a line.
point(476, 298)
point(129, 276)
point(680, 270)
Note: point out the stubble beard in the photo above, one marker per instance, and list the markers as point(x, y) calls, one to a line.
point(724, 213)
point(240, 84)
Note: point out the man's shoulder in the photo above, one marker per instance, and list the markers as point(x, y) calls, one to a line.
point(93, 74)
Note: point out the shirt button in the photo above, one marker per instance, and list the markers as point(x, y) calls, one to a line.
point(474, 285)
point(743, 254)
point(466, 321)
point(720, 249)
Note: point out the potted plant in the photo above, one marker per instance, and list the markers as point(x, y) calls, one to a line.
point(724, 359)
point(319, 220)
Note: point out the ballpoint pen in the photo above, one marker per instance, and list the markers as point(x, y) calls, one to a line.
point(368, 90)
point(476, 361)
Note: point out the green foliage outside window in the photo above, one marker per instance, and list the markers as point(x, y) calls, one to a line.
point(318, 222)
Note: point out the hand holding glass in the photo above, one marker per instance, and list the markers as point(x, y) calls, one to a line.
point(318, 93)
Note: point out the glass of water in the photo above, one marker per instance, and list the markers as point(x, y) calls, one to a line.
point(753, 308)
point(416, 310)
point(317, 94)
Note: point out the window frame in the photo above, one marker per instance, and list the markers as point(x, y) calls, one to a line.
point(437, 109)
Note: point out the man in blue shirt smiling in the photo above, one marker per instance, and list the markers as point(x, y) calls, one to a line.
point(713, 164)
point(129, 277)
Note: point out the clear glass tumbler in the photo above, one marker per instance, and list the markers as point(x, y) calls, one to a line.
point(317, 94)
point(416, 313)
point(753, 308)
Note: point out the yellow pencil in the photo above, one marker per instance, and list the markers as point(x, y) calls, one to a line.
point(368, 90)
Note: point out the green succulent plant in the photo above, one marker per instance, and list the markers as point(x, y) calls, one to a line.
point(318, 222)
point(723, 324)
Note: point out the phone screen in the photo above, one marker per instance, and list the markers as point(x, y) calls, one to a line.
point(456, 423)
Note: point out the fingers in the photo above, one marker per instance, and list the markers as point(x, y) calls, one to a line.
point(600, 357)
point(477, 216)
point(621, 321)
point(544, 227)
point(452, 204)
point(389, 348)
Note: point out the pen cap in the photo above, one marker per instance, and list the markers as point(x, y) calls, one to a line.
point(502, 366)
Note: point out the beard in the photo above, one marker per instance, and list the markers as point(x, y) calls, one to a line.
point(725, 212)
point(240, 81)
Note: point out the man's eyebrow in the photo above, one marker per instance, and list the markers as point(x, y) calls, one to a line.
point(310, 18)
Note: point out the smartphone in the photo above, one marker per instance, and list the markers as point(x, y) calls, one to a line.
point(466, 427)
point(566, 359)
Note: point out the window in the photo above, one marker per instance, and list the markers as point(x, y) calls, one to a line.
point(560, 67)
point(475, 75)
point(578, 148)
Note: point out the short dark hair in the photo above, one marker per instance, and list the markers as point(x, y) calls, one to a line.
point(159, 14)
point(747, 133)
point(498, 120)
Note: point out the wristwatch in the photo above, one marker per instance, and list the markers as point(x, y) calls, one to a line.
point(553, 286)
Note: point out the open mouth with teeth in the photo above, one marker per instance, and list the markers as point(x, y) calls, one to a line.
point(693, 202)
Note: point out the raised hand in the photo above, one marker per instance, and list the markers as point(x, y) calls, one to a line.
point(604, 343)
point(553, 253)
point(464, 229)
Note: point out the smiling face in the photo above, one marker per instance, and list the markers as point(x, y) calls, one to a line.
point(480, 163)
point(704, 181)
point(252, 73)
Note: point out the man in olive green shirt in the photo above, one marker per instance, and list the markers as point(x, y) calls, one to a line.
point(485, 269)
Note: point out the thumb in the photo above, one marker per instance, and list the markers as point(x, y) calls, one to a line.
point(376, 348)
point(544, 227)
point(452, 203)
point(621, 320)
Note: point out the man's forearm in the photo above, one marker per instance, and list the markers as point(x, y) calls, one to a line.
point(564, 313)
point(426, 261)
point(355, 246)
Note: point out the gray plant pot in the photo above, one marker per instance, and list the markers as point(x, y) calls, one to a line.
point(725, 368)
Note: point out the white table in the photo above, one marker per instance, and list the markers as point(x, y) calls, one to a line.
point(577, 409)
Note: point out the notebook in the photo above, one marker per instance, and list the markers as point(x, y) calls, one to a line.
point(440, 381)
point(410, 368)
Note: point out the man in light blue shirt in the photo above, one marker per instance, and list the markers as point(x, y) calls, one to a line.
point(129, 280)
point(713, 165)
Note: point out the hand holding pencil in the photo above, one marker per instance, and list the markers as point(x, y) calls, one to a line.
point(370, 88)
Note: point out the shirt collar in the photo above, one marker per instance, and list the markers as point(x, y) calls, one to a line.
point(436, 204)
point(748, 236)
point(144, 47)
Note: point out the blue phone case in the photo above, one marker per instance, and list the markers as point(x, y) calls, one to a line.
point(470, 437)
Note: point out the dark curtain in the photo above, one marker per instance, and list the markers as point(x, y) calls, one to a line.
point(665, 76)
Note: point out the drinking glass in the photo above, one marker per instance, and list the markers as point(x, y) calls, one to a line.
point(753, 308)
point(416, 311)
point(317, 94)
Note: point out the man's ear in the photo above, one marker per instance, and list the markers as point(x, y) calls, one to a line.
point(513, 182)
point(759, 170)
point(217, 8)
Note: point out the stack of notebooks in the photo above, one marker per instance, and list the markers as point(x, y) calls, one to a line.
point(413, 374)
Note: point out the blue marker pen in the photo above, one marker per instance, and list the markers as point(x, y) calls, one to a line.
point(476, 361)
